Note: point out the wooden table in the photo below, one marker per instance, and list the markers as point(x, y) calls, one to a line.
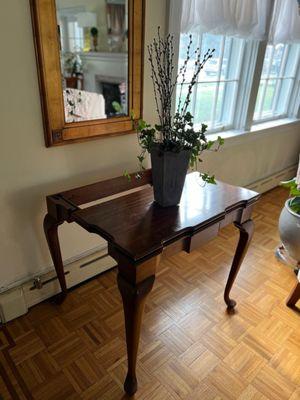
point(294, 296)
point(139, 232)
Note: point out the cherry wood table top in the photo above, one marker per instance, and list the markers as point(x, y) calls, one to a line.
point(139, 227)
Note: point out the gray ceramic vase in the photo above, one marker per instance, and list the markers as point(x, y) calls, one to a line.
point(289, 231)
point(169, 170)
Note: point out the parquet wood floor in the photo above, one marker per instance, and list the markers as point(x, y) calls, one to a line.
point(190, 348)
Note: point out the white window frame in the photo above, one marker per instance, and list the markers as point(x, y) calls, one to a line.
point(278, 86)
point(251, 65)
point(218, 80)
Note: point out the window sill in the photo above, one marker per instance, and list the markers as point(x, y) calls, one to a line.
point(238, 136)
point(273, 123)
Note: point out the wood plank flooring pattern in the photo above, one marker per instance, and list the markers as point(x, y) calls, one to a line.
point(190, 347)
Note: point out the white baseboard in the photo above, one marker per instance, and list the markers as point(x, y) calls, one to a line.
point(17, 300)
point(272, 181)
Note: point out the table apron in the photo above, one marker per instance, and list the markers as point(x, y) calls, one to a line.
point(192, 242)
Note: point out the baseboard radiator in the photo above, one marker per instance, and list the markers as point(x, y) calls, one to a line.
point(270, 182)
point(16, 301)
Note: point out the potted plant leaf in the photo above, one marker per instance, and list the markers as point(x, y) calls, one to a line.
point(289, 221)
point(175, 142)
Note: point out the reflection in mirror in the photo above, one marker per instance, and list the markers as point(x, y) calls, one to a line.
point(93, 38)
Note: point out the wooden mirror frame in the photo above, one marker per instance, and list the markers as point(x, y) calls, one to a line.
point(57, 131)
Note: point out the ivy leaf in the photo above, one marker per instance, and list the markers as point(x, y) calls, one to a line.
point(117, 106)
point(209, 145)
point(140, 158)
point(188, 117)
point(292, 185)
point(203, 128)
point(127, 175)
point(208, 178)
point(221, 141)
point(296, 201)
point(289, 184)
point(294, 191)
point(295, 205)
point(142, 125)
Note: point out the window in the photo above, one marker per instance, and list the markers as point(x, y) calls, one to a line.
point(72, 36)
point(227, 87)
point(215, 94)
point(75, 37)
point(277, 81)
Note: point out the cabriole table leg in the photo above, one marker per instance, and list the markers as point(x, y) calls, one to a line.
point(294, 296)
point(246, 232)
point(134, 297)
point(51, 232)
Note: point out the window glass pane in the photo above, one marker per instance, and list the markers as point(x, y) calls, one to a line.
point(293, 59)
point(204, 102)
point(277, 60)
point(184, 41)
point(211, 69)
point(183, 50)
point(226, 102)
point(284, 95)
point(269, 94)
point(212, 66)
point(181, 93)
point(219, 105)
point(226, 54)
point(267, 60)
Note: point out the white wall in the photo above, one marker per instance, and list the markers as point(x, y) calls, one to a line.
point(255, 155)
point(29, 171)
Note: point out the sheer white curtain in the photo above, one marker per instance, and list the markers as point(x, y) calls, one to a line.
point(244, 18)
point(285, 25)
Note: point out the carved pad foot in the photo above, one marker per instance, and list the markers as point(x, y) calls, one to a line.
point(59, 298)
point(130, 385)
point(230, 305)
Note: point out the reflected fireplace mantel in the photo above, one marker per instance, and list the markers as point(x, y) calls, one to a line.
point(105, 56)
point(115, 80)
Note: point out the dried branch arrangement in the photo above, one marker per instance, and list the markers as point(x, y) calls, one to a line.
point(161, 58)
point(175, 132)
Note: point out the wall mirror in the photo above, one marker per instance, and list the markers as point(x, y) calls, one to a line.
point(89, 56)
